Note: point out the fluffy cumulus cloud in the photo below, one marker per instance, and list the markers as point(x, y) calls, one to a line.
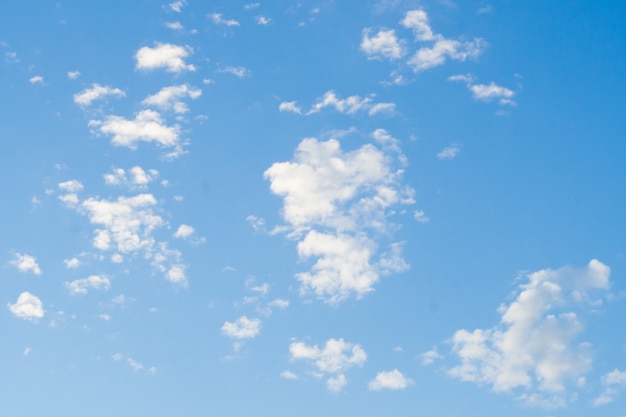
point(434, 50)
point(26, 263)
point(27, 307)
point(82, 286)
point(334, 201)
point(349, 105)
point(178, 5)
point(184, 231)
point(613, 382)
point(486, 92)
point(332, 361)
point(164, 55)
point(96, 92)
point(384, 44)
point(391, 380)
point(242, 328)
point(148, 126)
point(135, 177)
point(171, 98)
point(535, 348)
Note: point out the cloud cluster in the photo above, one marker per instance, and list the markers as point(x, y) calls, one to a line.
point(612, 382)
point(170, 98)
point(332, 361)
point(335, 202)
point(534, 346)
point(137, 177)
point(82, 286)
point(350, 105)
point(385, 44)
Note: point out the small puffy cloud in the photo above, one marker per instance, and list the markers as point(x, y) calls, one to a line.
point(164, 55)
point(534, 347)
point(97, 91)
point(218, 19)
point(173, 25)
point(242, 328)
point(430, 57)
point(384, 44)
point(71, 263)
point(262, 20)
point(420, 216)
point(486, 92)
point(71, 186)
point(135, 365)
point(37, 79)
point(449, 152)
point(82, 286)
point(430, 356)
point(72, 75)
point(148, 126)
point(289, 106)
point(288, 375)
point(178, 5)
point(350, 105)
point(170, 97)
point(612, 382)
point(279, 303)
point(391, 380)
point(184, 231)
point(333, 360)
point(251, 6)
point(26, 263)
point(239, 72)
point(417, 21)
point(137, 177)
point(27, 307)
point(257, 223)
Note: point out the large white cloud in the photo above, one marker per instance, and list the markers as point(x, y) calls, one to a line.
point(27, 307)
point(164, 55)
point(534, 347)
point(389, 380)
point(332, 200)
point(97, 91)
point(26, 263)
point(333, 360)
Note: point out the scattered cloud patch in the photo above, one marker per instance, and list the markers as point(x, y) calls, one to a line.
point(170, 98)
point(251, 6)
point(420, 216)
point(164, 55)
point(350, 105)
point(288, 375)
point(332, 199)
point(96, 92)
point(534, 347)
point(72, 263)
point(262, 20)
point(333, 360)
point(137, 177)
point(242, 328)
point(391, 380)
point(178, 5)
point(430, 356)
point(612, 382)
point(487, 92)
point(82, 286)
point(37, 79)
point(27, 307)
point(184, 231)
point(449, 152)
point(239, 72)
point(289, 106)
point(26, 263)
point(218, 19)
point(72, 75)
point(174, 25)
point(384, 44)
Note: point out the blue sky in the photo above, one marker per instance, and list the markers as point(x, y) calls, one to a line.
point(307, 208)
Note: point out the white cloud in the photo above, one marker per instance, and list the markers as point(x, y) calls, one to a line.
point(138, 178)
point(71, 186)
point(97, 91)
point(174, 25)
point(135, 365)
point(178, 5)
point(420, 216)
point(289, 106)
point(37, 79)
point(288, 375)
point(333, 360)
point(612, 382)
point(486, 92)
point(27, 351)
point(430, 356)
point(417, 20)
point(279, 303)
point(391, 380)
point(218, 19)
point(25, 263)
point(27, 307)
point(239, 72)
point(164, 55)
point(72, 75)
point(384, 44)
point(242, 328)
point(148, 126)
point(184, 231)
point(350, 105)
point(534, 347)
point(449, 152)
point(82, 286)
point(170, 97)
point(426, 58)
point(332, 199)
point(262, 20)
point(72, 263)
point(251, 6)
point(257, 223)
